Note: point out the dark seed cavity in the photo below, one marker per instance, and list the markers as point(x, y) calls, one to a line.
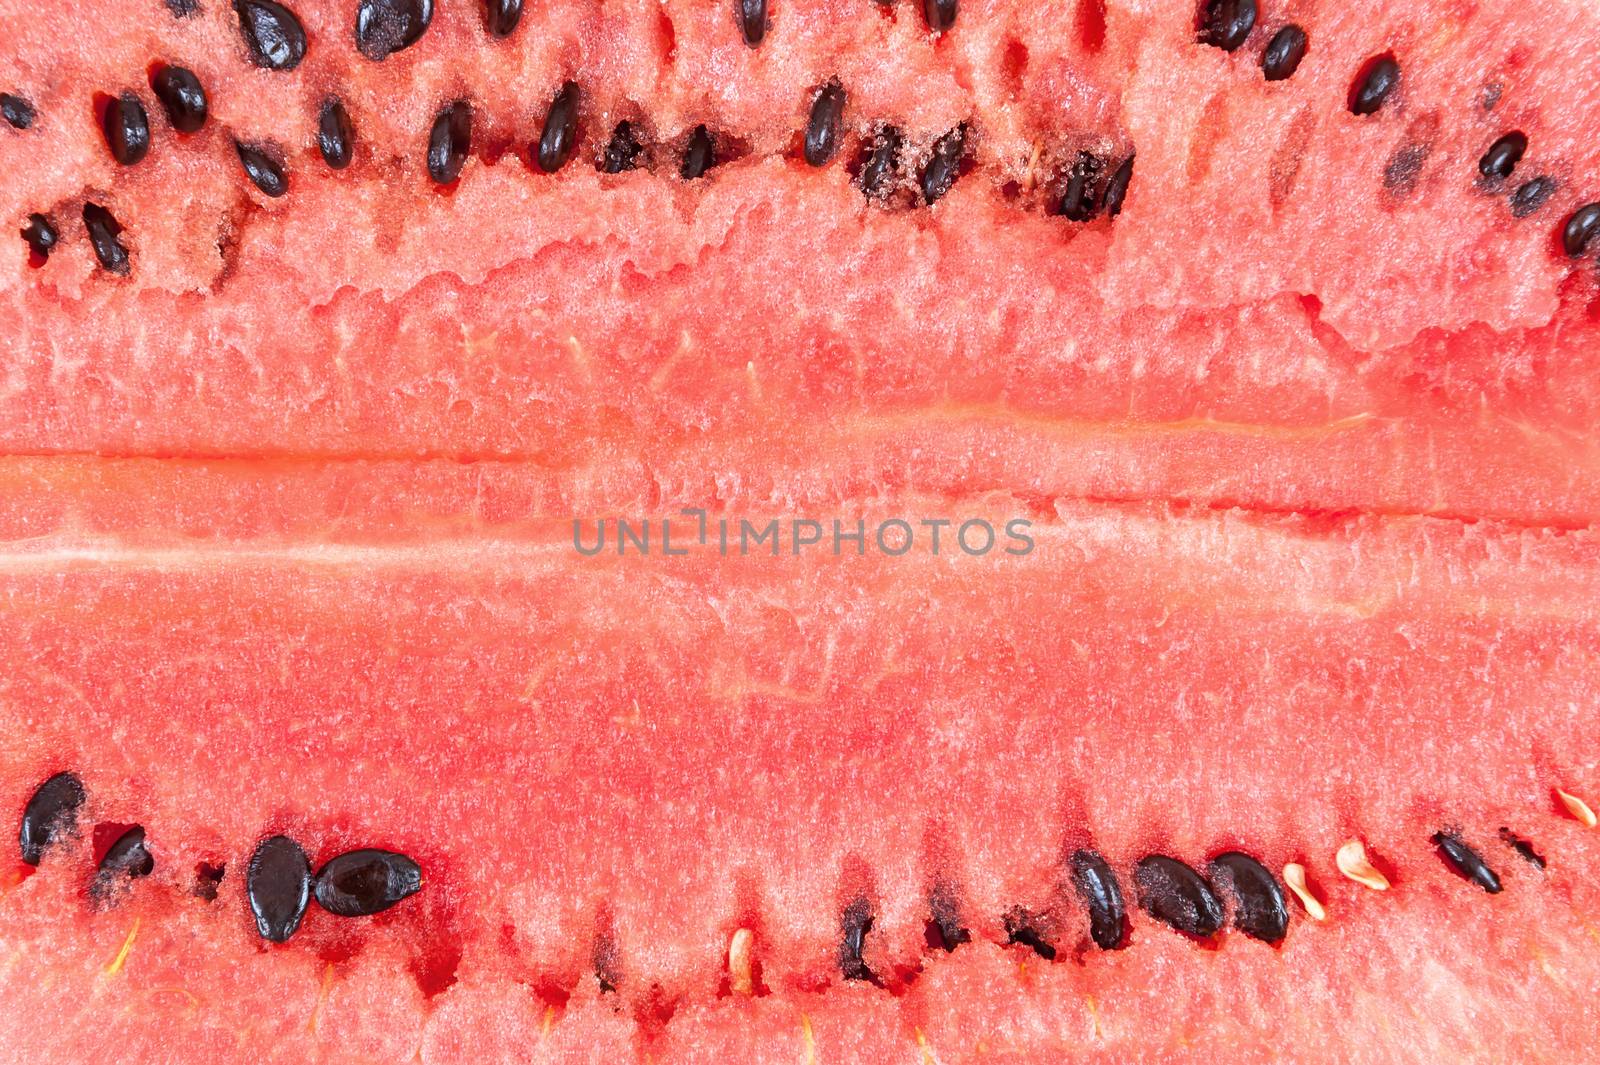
point(1097, 886)
point(183, 8)
point(1374, 85)
point(449, 141)
point(278, 886)
point(1503, 156)
point(1400, 174)
point(1225, 24)
point(560, 134)
point(502, 16)
point(127, 129)
point(104, 231)
point(822, 129)
point(945, 165)
point(941, 14)
point(1117, 188)
point(1079, 200)
point(263, 170)
point(700, 155)
point(17, 110)
point(364, 882)
point(207, 879)
point(336, 138)
point(1023, 927)
point(1284, 52)
point(1465, 861)
point(1490, 98)
point(182, 97)
point(41, 235)
point(945, 930)
point(384, 27)
point(127, 857)
point(1581, 229)
point(1531, 196)
point(621, 151)
point(1523, 848)
point(882, 163)
point(1176, 895)
point(51, 814)
point(854, 924)
point(752, 16)
point(1259, 909)
point(272, 33)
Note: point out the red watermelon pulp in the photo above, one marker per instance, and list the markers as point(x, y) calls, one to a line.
point(1263, 336)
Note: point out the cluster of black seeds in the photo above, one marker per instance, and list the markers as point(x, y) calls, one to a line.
point(279, 883)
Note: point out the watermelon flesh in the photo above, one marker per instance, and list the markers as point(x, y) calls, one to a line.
point(287, 524)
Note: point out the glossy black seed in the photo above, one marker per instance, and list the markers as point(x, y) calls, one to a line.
point(945, 165)
point(262, 170)
point(1283, 53)
point(41, 235)
point(272, 33)
point(17, 110)
point(207, 879)
point(700, 156)
point(941, 14)
point(882, 162)
point(822, 129)
point(1079, 199)
point(1259, 909)
point(752, 17)
point(278, 886)
point(364, 882)
point(384, 27)
point(502, 16)
point(128, 857)
point(449, 141)
point(1021, 928)
point(1117, 188)
point(51, 815)
point(1464, 860)
point(854, 924)
point(1523, 848)
point(336, 138)
point(127, 129)
point(1373, 86)
point(182, 97)
point(1581, 229)
point(1097, 886)
point(1225, 24)
point(1503, 156)
point(560, 134)
point(1531, 195)
point(945, 930)
point(103, 233)
point(1176, 895)
point(621, 151)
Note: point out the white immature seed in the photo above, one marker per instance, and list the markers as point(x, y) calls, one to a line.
point(740, 978)
point(1578, 808)
point(1352, 862)
point(1294, 874)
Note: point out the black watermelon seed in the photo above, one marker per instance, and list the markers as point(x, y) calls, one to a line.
point(278, 886)
point(1464, 860)
point(128, 857)
point(560, 134)
point(272, 33)
point(183, 8)
point(1374, 84)
point(502, 16)
point(336, 138)
point(1523, 848)
point(1117, 188)
point(1097, 886)
point(622, 150)
point(941, 14)
point(364, 882)
point(384, 27)
point(1531, 195)
point(263, 170)
point(1259, 909)
point(51, 815)
point(1226, 23)
point(1176, 895)
point(182, 97)
point(854, 924)
point(449, 141)
point(945, 165)
point(1581, 229)
point(1079, 199)
point(1283, 54)
point(882, 162)
point(752, 16)
point(1503, 156)
point(1021, 928)
point(822, 129)
point(207, 879)
point(945, 930)
point(41, 235)
point(700, 156)
point(127, 129)
point(17, 110)
point(103, 233)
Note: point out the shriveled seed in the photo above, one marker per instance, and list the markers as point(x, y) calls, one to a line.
point(336, 138)
point(945, 930)
point(1176, 895)
point(1022, 927)
point(360, 883)
point(1532, 195)
point(1352, 862)
point(104, 233)
point(822, 129)
point(502, 16)
point(1117, 188)
point(1465, 861)
point(944, 166)
point(1097, 886)
point(278, 887)
point(1523, 848)
point(622, 150)
point(941, 14)
point(1283, 53)
point(1078, 201)
point(16, 110)
point(384, 27)
point(882, 162)
point(51, 815)
point(182, 97)
point(1294, 874)
point(1576, 806)
point(127, 129)
point(752, 16)
point(741, 975)
point(183, 8)
point(560, 134)
point(854, 924)
point(272, 33)
point(449, 141)
point(127, 857)
point(263, 170)
point(700, 155)
point(1259, 909)
point(1374, 84)
point(41, 235)
point(1503, 156)
point(1227, 23)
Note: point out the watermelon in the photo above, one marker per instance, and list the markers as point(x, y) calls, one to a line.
point(808, 531)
